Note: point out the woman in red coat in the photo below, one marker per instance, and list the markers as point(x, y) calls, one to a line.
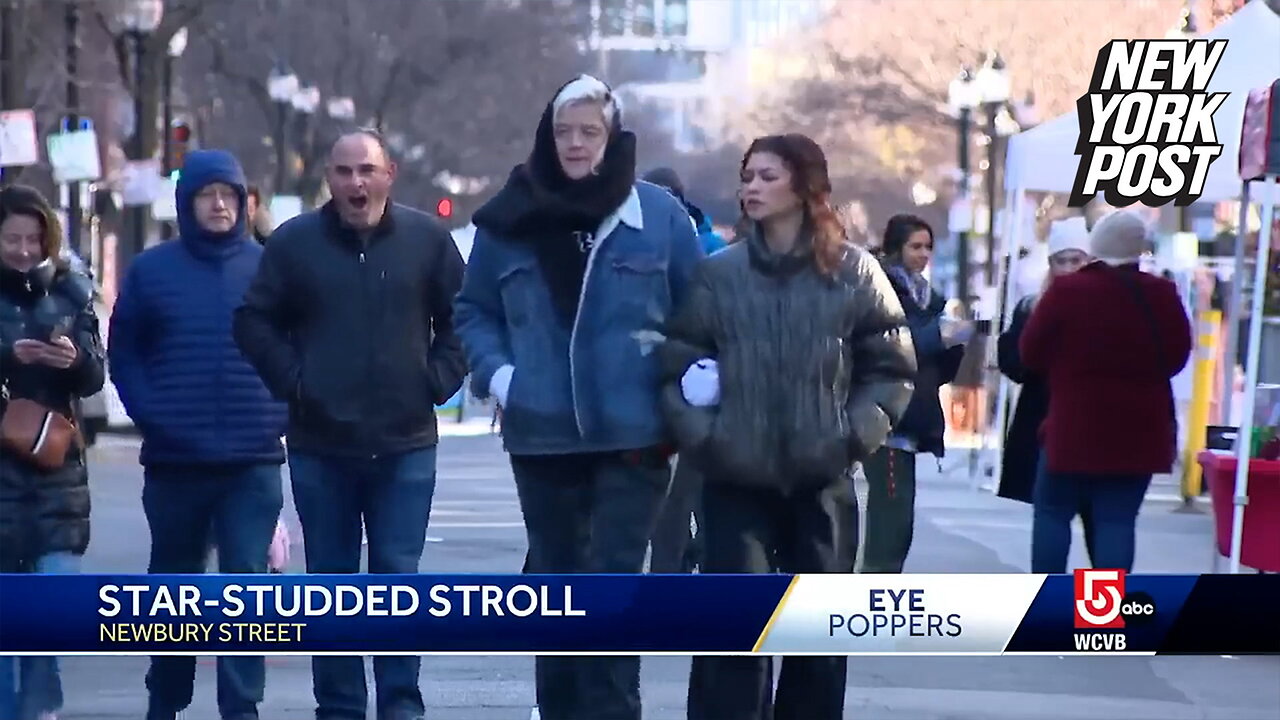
point(1108, 338)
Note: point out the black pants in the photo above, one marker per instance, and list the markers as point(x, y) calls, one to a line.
point(751, 530)
point(588, 514)
point(186, 505)
point(891, 509)
point(675, 548)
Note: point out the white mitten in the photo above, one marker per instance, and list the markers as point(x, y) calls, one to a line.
point(700, 384)
point(500, 384)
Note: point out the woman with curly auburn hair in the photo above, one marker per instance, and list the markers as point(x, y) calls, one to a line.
point(787, 364)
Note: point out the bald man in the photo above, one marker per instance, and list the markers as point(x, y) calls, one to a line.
point(350, 321)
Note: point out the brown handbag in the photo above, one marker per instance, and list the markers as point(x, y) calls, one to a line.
point(37, 434)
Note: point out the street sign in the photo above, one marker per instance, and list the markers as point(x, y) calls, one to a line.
point(284, 207)
point(142, 182)
point(165, 206)
point(18, 140)
point(74, 156)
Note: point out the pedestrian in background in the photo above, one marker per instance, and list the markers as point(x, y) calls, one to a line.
point(1108, 339)
point(574, 271)
point(258, 219)
point(667, 179)
point(211, 450)
point(50, 355)
point(907, 249)
point(1068, 246)
point(675, 548)
point(350, 320)
point(787, 364)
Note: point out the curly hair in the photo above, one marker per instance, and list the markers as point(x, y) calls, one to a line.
point(25, 200)
point(811, 181)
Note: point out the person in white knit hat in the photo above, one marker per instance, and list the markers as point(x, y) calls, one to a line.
point(1108, 339)
point(1068, 251)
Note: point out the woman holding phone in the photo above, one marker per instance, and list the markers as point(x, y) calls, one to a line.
point(50, 354)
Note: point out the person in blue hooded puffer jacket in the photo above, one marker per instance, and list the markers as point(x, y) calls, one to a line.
point(211, 433)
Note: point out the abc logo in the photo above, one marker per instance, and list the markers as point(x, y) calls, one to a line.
point(1137, 609)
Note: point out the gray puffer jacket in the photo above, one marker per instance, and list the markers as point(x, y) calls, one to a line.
point(814, 370)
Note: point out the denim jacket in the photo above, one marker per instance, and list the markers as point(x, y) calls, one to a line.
point(593, 387)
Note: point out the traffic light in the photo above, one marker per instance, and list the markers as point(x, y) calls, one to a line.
point(179, 144)
point(444, 208)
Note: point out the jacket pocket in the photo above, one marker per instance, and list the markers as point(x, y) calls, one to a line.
point(641, 286)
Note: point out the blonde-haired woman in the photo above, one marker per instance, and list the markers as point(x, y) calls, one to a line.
point(574, 270)
point(50, 355)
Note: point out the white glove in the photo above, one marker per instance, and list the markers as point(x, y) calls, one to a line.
point(500, 383)
point(700, 384)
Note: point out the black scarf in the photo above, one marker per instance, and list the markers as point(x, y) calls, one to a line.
point(541, 205)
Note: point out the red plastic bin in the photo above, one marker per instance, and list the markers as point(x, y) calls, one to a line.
point(1260, 543)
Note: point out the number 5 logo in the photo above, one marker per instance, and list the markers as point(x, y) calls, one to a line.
point(1099, 595)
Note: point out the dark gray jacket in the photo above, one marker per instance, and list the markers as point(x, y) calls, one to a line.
point(814, 370)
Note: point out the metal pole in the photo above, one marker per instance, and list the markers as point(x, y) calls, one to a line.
point(1244, 437)
point(962, 238)
point(990, 269)
point(166, 161)
point(282, 148)
point(1231, 345)
point(136, 238)
point(72, 23)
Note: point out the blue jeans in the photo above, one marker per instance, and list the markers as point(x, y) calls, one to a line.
point(1112, 503)
point(186, 506)
point(32, 685)
point(393, 495)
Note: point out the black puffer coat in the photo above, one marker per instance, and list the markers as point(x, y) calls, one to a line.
point(1022, 445)
point(814, 371)
point(44, 512)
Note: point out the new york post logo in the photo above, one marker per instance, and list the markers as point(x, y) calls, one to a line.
point(1146, 125)
point(1099, 595)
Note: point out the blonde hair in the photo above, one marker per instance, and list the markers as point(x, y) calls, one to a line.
point(586, 88)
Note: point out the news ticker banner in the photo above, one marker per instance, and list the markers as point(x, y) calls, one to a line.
point(1095, 611)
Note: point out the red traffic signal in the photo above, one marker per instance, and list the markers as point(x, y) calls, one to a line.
point(444, 208)
point(181, 132)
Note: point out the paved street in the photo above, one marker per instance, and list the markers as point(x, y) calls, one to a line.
point(476, 527)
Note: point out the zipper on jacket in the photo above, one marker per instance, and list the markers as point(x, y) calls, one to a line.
point(220, 383)
point(369, 345)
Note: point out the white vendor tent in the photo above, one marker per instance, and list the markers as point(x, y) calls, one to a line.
point(1043, 159)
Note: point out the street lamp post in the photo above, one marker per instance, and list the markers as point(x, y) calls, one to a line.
point(282, 85)
point(962, 95)
point(71, 22)
point(177, 45)
point(305, 103)
point(993, 87)
point(137, 19)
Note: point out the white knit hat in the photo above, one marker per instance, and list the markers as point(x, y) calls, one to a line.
point(1068, 234)
point(1119, 238)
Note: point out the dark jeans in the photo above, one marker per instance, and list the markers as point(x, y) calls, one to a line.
point(750, 530)
point(187, 505)
point(1109, 502)
point(393, 495)
point(588, 514)
point(891, 509)
point(675, 549)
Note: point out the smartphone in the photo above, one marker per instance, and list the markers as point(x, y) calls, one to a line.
point(48, 332)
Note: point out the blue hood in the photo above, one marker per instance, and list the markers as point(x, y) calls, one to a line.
point(202, 168)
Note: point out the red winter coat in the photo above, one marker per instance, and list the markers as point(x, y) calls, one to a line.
point(1111, 403)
